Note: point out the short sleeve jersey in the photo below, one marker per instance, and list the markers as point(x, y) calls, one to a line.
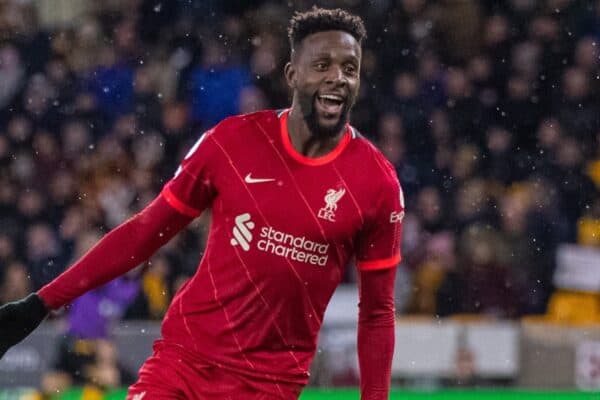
point(284, 228)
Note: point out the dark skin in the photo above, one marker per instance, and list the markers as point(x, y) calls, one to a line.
point(324, 75)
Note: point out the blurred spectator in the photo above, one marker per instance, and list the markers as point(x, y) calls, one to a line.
point(576, 190)
point(577, 109)
point(520, 111)
point(11, 74)
point(111, 83)
point(43, 253)
point(499, 160)
point(92, 364)
point(156, 290)
point(462, 108)
point(90, 316)
point(458, 25)
point(472, 204)
point(588, 226)
point(480, 283)
point(438, 259)
point(586, 54)
point(430, 209)
point(16, 283)
point(216, 84)
point(86, 356)
point(8, 251)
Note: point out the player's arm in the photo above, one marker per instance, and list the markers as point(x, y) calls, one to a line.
point(376, 332)
point(378, 254)
point(119, 251)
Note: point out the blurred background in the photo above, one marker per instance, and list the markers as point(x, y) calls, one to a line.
point(488, 110)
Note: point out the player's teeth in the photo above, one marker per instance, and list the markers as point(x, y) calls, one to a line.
point(330, 97)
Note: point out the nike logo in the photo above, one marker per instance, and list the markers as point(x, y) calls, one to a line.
point(139, 396)
point(250, 179)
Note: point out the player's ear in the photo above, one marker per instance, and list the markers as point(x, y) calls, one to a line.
point(290, 75)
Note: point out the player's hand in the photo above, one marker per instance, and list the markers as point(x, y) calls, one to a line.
point(18, 319)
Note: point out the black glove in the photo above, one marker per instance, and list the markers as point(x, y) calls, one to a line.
point(18, 319)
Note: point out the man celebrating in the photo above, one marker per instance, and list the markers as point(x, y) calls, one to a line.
point(295, 195)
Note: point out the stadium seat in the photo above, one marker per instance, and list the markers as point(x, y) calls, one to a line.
point(575, 308)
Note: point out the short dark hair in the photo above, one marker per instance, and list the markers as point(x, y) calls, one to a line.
point(318, 19)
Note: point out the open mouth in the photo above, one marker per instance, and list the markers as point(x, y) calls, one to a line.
point(330, 104)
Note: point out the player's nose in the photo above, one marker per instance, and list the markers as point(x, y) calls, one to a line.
point(335, 75)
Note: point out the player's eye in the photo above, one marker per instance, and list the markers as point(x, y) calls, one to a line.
point(350, 69)
point(321, 66)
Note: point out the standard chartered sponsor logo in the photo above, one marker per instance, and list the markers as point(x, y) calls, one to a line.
point(241, 231)
point(296, 248)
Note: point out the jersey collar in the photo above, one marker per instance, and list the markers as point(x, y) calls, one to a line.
point(301, 158)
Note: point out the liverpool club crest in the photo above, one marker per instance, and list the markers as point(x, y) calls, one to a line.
point(331, 199)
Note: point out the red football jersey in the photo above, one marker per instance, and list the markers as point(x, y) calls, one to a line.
point(284, 228)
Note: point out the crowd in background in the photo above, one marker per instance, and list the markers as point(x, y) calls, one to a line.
point(488, 110)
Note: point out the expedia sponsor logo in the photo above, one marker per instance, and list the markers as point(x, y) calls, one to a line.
point(396, 217)
point(296, 248)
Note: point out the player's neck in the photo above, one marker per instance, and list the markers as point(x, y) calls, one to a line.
point(305, 141)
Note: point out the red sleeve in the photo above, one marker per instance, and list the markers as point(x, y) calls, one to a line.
point(122, 249)
point(192, 188)
point(376, 332)
point(379, 242)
